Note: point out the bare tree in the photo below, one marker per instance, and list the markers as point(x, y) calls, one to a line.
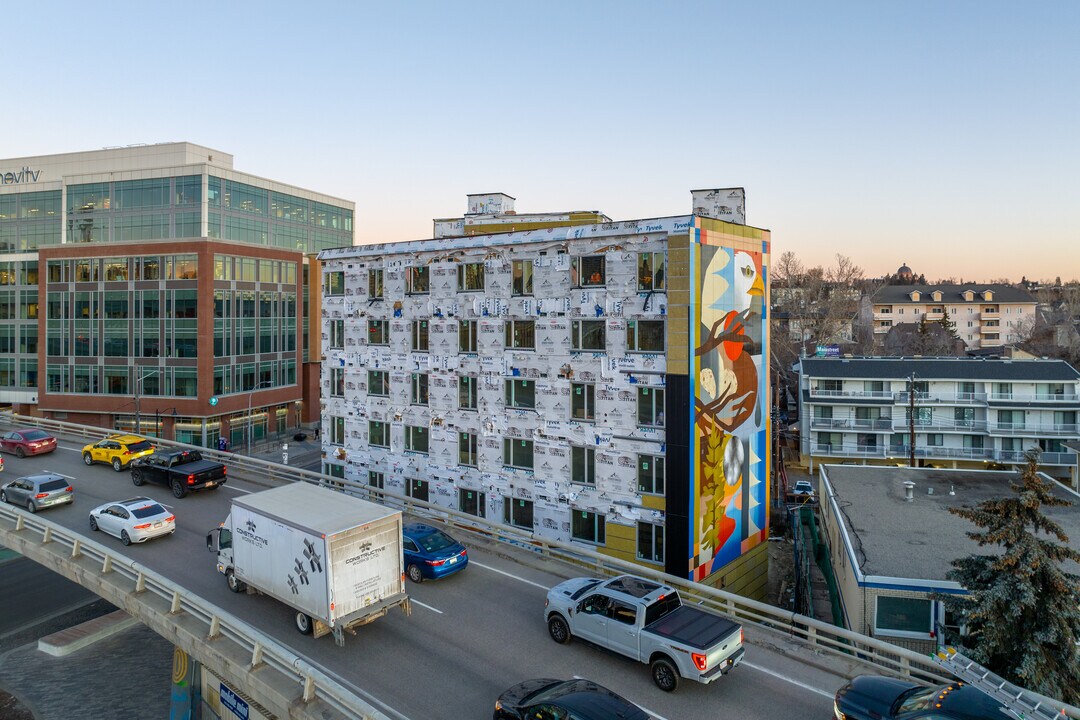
point(812, 305)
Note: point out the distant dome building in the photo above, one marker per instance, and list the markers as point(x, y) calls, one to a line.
point(905, 273)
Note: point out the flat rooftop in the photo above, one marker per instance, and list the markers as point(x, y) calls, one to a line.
point(919, 540)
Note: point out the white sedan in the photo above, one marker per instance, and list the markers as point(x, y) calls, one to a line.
point(133, 521)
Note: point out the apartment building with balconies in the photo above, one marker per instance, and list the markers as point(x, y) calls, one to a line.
point(982, 315)
point(966, 412)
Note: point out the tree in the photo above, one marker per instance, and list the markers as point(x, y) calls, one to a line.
point(1021, 606)
point(818, 305)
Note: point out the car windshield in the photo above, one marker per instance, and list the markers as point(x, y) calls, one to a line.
point(577, 594)
point(148, 511)
point(53, 485)
point(35, 435)
point(436, 541)
point(918, 698)
point(140, 446)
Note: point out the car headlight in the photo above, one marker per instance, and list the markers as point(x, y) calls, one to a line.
point(498, 705)
point(836, 711)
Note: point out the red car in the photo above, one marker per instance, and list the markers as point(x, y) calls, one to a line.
point(27, 442)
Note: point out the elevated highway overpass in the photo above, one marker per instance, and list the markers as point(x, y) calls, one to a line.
point(469, 637)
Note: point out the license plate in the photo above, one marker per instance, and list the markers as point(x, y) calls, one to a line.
point(453, 560)
point(211, 483)
point(157, 524)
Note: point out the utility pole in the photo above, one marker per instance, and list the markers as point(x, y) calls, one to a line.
point(911, 418)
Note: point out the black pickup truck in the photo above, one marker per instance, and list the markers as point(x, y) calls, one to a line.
point(181, 470)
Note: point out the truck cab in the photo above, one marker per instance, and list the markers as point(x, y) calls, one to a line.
point(219, 540)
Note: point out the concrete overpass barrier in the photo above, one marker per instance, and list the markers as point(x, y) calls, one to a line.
point(285, 683)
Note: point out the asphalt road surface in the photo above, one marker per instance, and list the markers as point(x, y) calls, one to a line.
point(469, 637)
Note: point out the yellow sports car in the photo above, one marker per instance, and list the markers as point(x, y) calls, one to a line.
point(117, 450)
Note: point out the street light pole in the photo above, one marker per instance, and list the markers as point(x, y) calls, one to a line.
point(911, 421)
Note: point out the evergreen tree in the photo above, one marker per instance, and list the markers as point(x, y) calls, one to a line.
point(1021, 606)
point(949, 325)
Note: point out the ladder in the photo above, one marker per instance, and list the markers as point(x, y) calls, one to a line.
point(1015, 700)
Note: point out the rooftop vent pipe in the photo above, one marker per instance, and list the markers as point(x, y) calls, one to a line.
point(909, 491)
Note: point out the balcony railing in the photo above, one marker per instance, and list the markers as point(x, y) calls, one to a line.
point(835, 450)
point(1046, 458)
point(937, 452)
point(924, 425)
point(882, 394)
point(953, 398)
point(1035, 429)
point(1035, 397)
point(884, 424)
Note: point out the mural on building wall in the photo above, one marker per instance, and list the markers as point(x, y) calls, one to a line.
point(730, 435)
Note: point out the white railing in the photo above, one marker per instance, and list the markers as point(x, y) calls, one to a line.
point(879, 424)
point(1035, 429)
point(924, 425)
point(1070, 398)
point(879, 394)
point(955, 398)
point(834, 641)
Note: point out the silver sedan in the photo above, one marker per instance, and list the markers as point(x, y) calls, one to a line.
point(133, 521)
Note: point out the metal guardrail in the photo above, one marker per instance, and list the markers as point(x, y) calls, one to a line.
point(840, 643)
point(155, 600)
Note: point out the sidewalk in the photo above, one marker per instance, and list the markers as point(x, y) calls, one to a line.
point(304, 454)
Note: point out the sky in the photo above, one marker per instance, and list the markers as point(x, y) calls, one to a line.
point(940, 134)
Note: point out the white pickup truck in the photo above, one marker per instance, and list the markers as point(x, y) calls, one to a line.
point(647, 621)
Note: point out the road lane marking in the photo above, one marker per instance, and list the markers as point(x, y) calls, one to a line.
point(545, 588)
point(414, 601)
point(777, 675)
point(237, 489)
point(53, 472)
point(644, 709)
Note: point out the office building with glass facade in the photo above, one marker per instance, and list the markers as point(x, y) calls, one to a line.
point(155, 289)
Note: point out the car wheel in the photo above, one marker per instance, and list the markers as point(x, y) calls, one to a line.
point(234, 584)
point(664, 674)
point(178, 489)
point(30, 506)
point(93, 523)
point(125, 538)
point(87, 459)
point(136, 477)
point(558, 629)
point(3, 496)
point(303, 623)
point(19, 452)
point(117, 465)
point(416, 574)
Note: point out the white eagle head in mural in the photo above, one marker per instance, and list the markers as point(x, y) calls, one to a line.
point(748, 282)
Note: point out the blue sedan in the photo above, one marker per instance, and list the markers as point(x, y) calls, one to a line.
point(431, 553)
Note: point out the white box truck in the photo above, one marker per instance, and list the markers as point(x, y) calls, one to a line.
point(333, 558)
